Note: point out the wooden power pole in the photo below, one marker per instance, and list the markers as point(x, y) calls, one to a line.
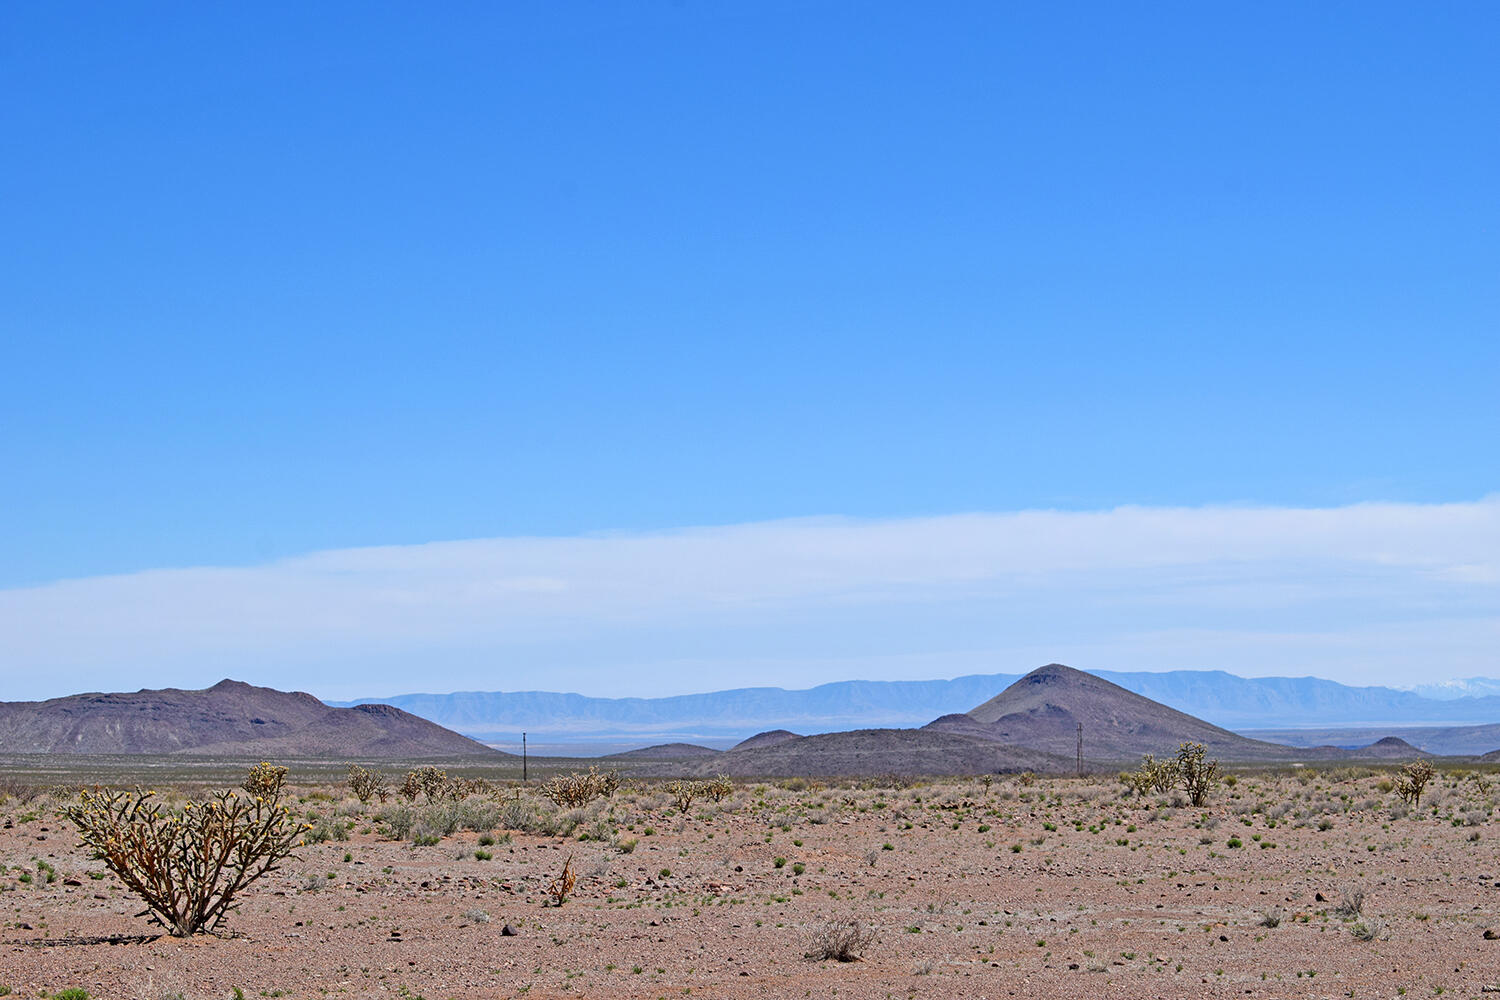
point(1080, 749)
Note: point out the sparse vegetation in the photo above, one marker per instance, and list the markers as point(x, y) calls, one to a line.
point(787, 844)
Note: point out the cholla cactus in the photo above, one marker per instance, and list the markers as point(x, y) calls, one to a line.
point(189, 866)
point(683, 793)
point(1153, 775)
point(366, 784)
point(721, 787)
point(569, 791)
point(265, 780)
point(1412, 778)
point(427, 780)
point(1197, 774)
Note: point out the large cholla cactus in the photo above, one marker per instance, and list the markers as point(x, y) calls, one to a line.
point(187, 866)
point(1196, 772)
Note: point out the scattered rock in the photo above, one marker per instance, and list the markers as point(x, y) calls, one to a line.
point(510, 930)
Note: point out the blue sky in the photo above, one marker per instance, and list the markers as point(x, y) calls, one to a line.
point(283, 279)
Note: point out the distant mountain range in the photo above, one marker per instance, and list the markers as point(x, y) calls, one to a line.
point(1217, 697)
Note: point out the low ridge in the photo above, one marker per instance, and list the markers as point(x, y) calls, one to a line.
point(665, 751)
point(769, 738)
point(875, 752)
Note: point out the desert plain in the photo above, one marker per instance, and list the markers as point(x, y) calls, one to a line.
point(1315, 882)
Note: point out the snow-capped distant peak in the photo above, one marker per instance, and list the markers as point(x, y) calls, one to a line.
point(1462, 687)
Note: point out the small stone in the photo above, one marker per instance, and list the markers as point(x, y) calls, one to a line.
point(1491, 935)
point(510, 930)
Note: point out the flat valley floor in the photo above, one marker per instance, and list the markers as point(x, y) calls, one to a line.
point(1315, 884)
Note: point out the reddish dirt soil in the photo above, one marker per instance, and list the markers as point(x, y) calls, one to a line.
point(699, 907)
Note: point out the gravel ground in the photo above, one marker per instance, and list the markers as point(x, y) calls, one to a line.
point(1019, 890)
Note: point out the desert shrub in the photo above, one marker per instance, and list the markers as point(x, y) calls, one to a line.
point(399, 821)
point(842, 941)
point(189, 866)
point(479, 816)
point(442, 819)
point(1352, 904)
point(327, 829)
point(516, 813)
point(721, 787)
point(1411, 779)
point(1195, 772)
point(597, 829)
point(18, 791)
point(367, 785)
point(552, 824)
point(1272, 917)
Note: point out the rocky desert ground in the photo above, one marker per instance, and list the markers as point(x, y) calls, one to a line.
point(1316, 883)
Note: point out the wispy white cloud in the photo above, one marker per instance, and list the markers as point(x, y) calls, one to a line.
point(1371, 592)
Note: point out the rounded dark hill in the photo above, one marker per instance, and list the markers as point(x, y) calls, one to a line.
point(1492, 757)
point(665, 751)
point(1391, 747)
point(231, 718)
point(1044, 709)
point(769, 738)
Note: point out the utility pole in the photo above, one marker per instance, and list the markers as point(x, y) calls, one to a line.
point(523, 758)
point(1080, 749)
